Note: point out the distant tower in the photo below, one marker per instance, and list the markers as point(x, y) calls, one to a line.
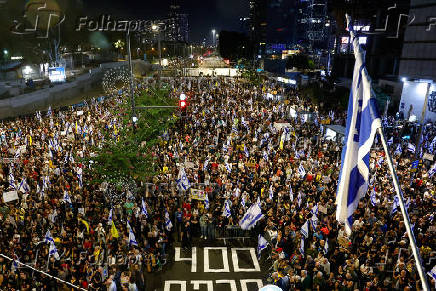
point(174, 8)
point(177, 28)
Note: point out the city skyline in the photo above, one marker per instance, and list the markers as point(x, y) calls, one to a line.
point(218, 15)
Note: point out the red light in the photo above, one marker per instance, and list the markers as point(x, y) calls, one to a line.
point(182, 104)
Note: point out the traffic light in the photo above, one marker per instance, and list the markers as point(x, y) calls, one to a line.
point(183, 103)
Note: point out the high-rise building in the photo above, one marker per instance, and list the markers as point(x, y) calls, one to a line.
point(313, 24)
point(258, 23)
point(379, 26)
point(176, 25)
point(418, 62)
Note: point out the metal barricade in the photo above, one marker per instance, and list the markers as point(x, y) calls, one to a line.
point(233, 232)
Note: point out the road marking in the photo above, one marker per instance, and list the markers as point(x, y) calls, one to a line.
point(197, 283)
point(236, 260)
point(246, 281)
point(193, 259)
point(168, 284)
point(231, 282)
point(207, 268)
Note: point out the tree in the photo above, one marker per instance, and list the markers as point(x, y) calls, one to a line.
point(300, 61)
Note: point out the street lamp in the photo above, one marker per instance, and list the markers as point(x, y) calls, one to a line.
point(156, 29)
point(5, 52)
point(213, 37)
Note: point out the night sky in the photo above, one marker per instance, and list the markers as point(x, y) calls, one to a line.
point(203, 15)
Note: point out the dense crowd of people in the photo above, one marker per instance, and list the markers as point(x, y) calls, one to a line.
point(238, 145)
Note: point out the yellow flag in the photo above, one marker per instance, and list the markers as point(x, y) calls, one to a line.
point(165, 169)
point(30, 140)
point(281, 144)
point(76, 126)
point(96, 253)
point(114, 231)
point(86, 224)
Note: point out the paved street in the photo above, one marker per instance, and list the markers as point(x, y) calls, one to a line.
point(212, 266)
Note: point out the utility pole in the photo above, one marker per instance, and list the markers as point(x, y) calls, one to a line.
point(132, 96)
point(156, 29)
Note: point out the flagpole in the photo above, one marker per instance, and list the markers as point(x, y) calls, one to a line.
point(406, 219)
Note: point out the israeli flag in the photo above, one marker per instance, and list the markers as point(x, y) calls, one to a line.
point(326, 246)
point(432, 171)
point(391, 141)
point(302, 246)
point(14, 266)
point(291, 193)
point(301, 171)
point(45, 183)
point(432, 274)
point(11, 179)
point(182, 181)
point(407, 205)
point(314, 210)
point(261, 244)
point(49, 111)
point(132, 239)
point(399, 150)
point(299, 199)
point(395, 205)
point(17, 154)
point(380, 162)
point(305, 229)
point(251, 217)
point(23, 187)
point(411, 147)
point(243, 200)
point(206, 202)
point(265, 156)
point(271, 193)
point(258, 201)
point(314, 222)
point(168, 224)
point(67, 198)
point(229, 167)
point(432, 145)
point(227, 213)
point(53, 251)
point(206, 163)
point(48, 238)
point(415, 164)
point(373, 198)
point(362, 122)
point(297, 156)
point(247, 154)
point(144, 209)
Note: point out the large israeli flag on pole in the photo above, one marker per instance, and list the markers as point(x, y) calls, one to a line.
point(251, 217)
point(182, 181)
point(363, 120)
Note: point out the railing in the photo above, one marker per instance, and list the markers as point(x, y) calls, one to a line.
point(232, 232)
